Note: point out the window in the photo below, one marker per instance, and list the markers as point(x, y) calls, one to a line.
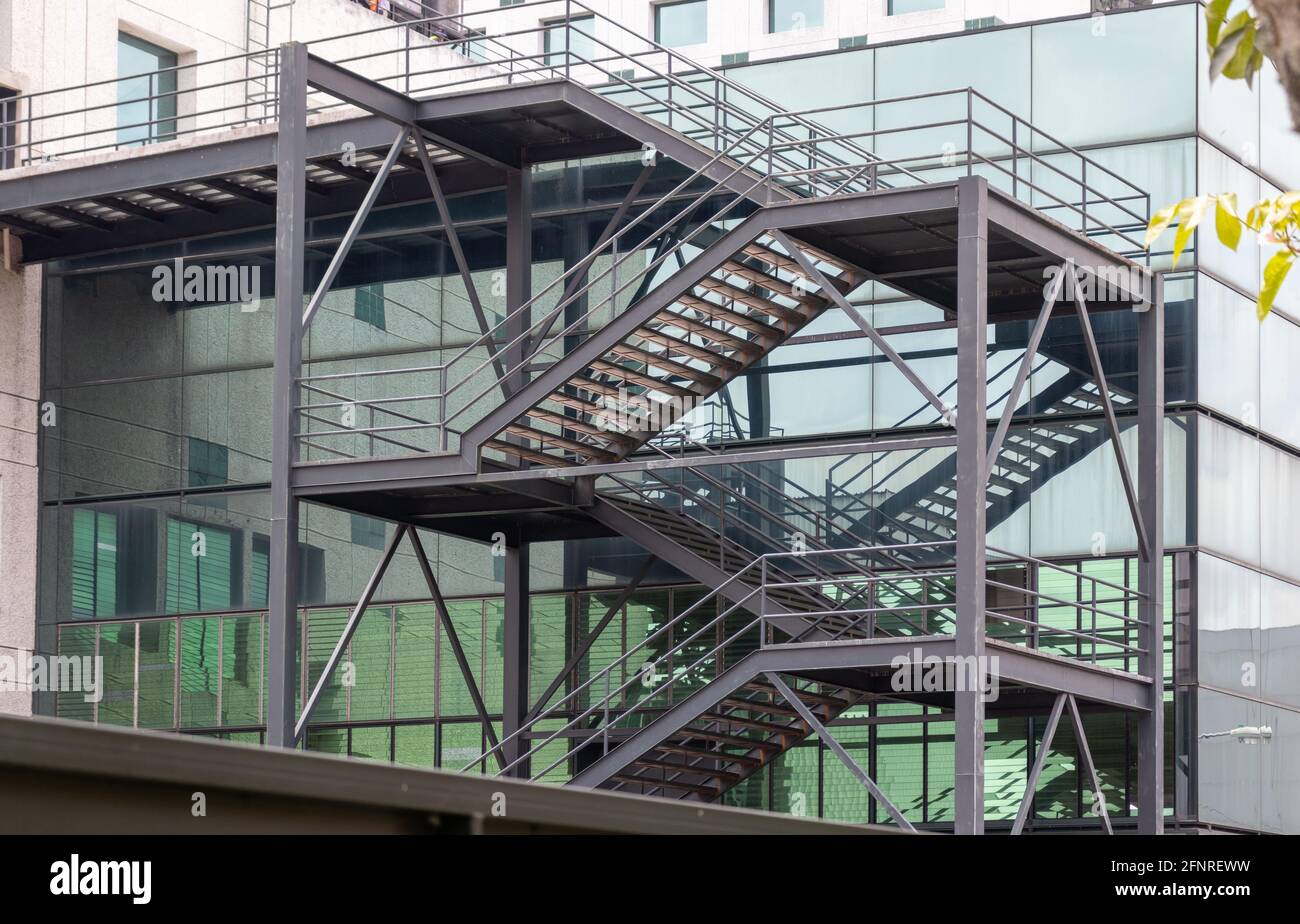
point(94, 563)
point(367, 531)
point(369, 304)
point(476, 47)
point(683, 23)
point(573, 35)
point(8, 128)
point(203, 572)
point(794, 15)
point(898, 7)
point(146, 99)
point(740, 57)
point(853, 41)
point(209, 463)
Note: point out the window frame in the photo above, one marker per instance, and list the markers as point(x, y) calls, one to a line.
point(658, 8)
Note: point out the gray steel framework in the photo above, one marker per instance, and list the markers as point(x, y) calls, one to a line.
point(984, 228)
point(975, 446)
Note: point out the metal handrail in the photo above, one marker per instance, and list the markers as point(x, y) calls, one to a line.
point(763, 564)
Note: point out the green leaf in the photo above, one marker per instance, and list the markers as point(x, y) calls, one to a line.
point(1237, 67)
point(1274, 275)
point(1159, 222)
point(1216, 11)
point(1190, 211)
point(1226, 222)
point(1222, 56)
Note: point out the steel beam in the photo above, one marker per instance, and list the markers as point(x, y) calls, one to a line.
point(349, 629)
point(1022, 374)
point(972, 436)
point(290, 231)
point(1049, 734)
point(458, 255)
point(1151, 580)
point(457, 650)
point(515, 655)
point(354, 228)
point(1112, 425)
point(1085, 754)
point(831, 291)
point(829, 740)
point(351, 87)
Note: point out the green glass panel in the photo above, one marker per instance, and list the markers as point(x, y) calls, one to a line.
point(199, 672)
point(462, 742)
point(199, 567)
point(844, 798)
point(453, 694)
point(414, 745)
point(76, 642)
point(553, 752)
point(94, 563)
point(372, 743)
point(795, 783)
point(1057, 792)
point(324, 627)
point(1006, 761)
point(548, 643)
point(371, 657)
point(241, 670)
point(494, 633)
point(413, 668)
point(158, 673)
point(328, 741)
point(117, 649)
point(940, 755)
point(603, 651)
point(900, 762)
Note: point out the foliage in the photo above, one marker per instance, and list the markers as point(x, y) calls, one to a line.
point(1234, 55)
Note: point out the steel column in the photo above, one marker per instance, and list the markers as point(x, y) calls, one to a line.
point(1151, 406)
point(972, 436)
point(515, 654)
point(290, 230)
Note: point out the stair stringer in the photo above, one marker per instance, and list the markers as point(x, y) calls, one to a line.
point(676, 718)
point(599, 343)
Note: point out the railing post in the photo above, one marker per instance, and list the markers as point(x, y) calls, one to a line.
point(970, 131)
point(442, 401)
point(1015, 159)
point(1084, 184)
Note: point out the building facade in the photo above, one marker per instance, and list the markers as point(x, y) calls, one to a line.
point(135, 492)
